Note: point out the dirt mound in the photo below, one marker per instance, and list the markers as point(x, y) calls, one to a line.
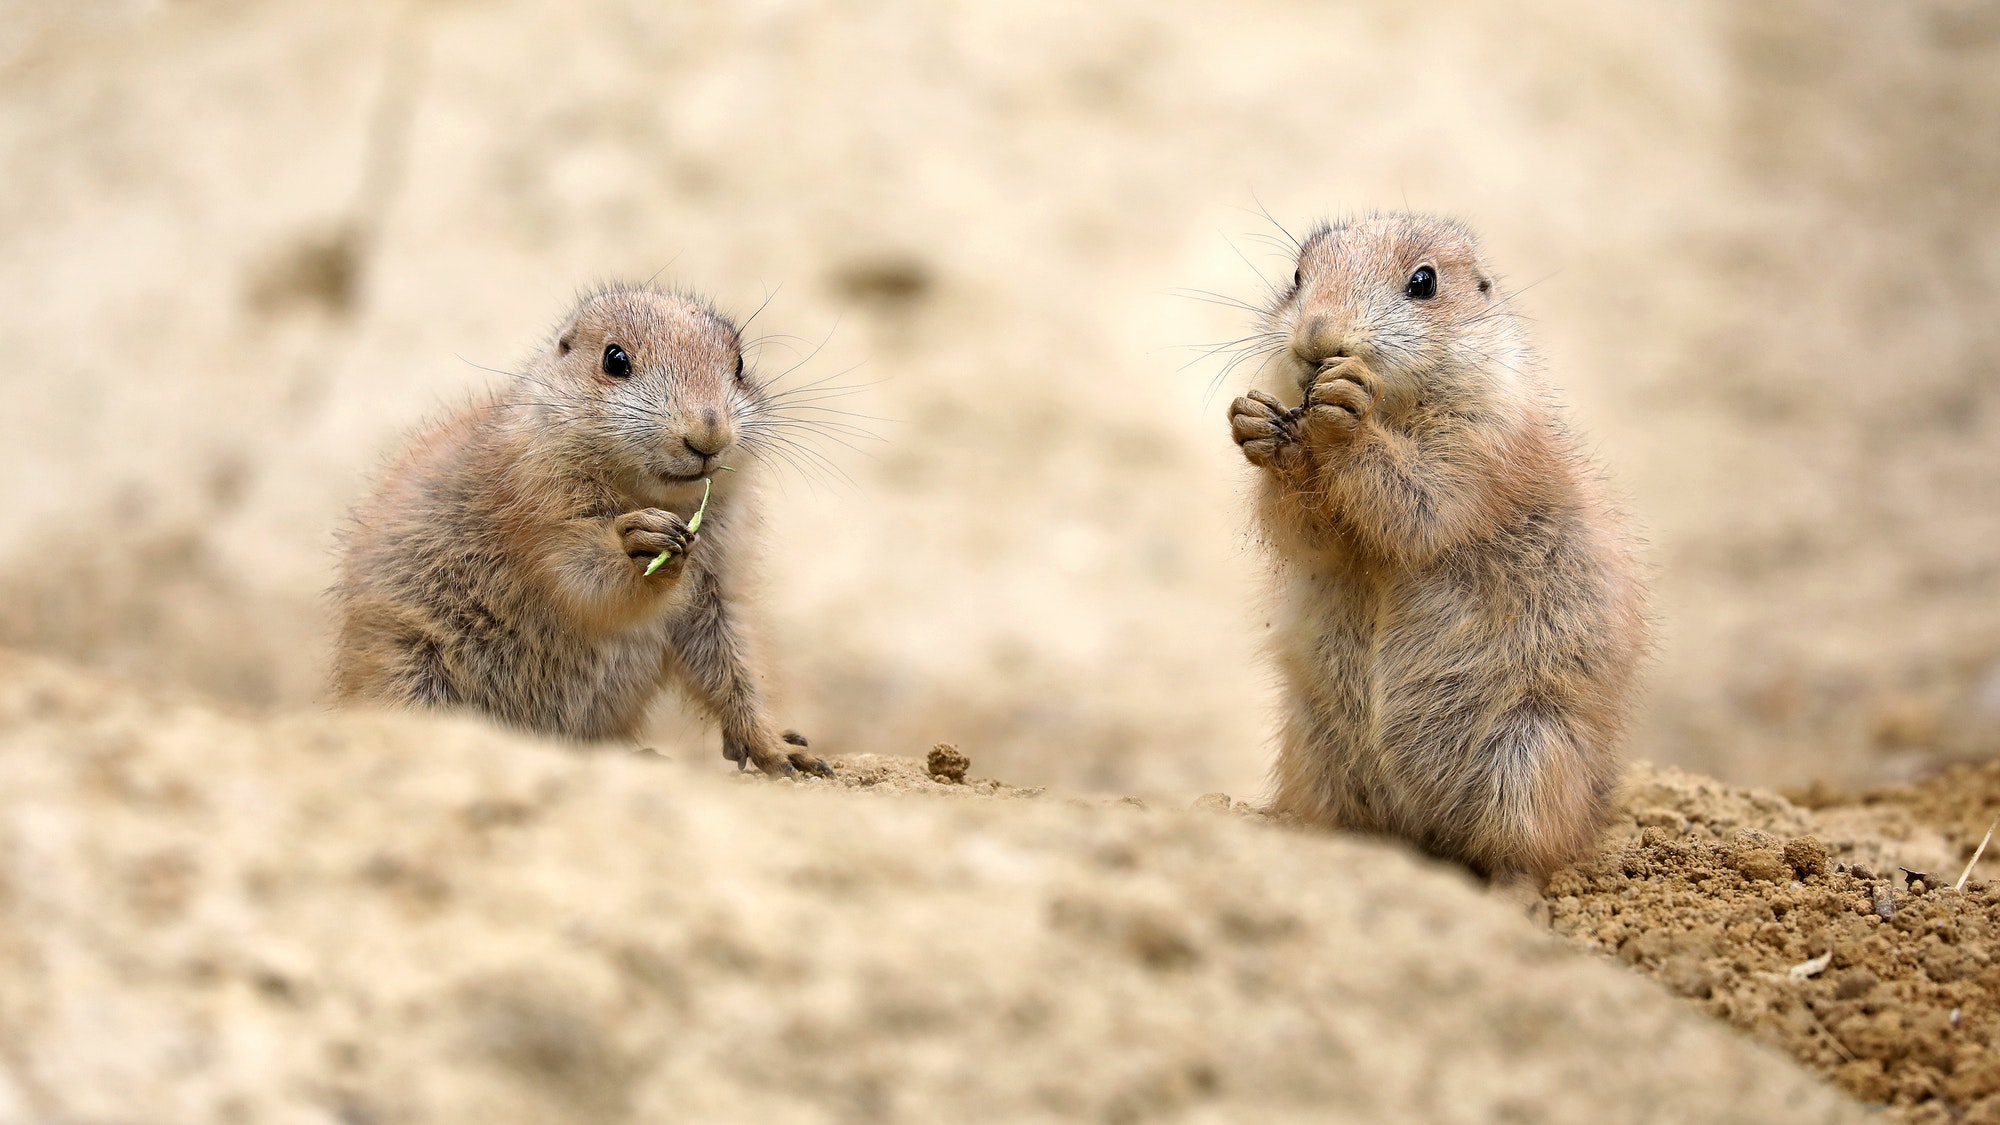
point(386, 918)
point(1960, 805)
point(1812, 930)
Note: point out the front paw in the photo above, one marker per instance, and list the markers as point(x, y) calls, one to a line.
point(654, 538)
point(1341, 399)
point(1267, 433)
point(774, 757)
point(805, 763)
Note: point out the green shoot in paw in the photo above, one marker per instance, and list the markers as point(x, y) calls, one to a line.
point(694, 523)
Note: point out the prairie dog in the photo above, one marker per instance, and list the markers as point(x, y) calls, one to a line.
point(1460, 622)
point(500, 565)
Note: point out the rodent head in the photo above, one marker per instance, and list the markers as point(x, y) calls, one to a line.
point(646, 387)
point(1406, 294)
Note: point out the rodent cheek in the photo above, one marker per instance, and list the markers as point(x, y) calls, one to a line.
point(745, 409)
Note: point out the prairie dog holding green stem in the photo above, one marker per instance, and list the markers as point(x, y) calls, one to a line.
point(1460, 623)
point(501, 563)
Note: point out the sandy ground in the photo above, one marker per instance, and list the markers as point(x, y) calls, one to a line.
point(244, 247)
point(214, 918)
point(208, 916)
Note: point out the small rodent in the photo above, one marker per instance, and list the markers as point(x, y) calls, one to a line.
point(499, 565)
point(1461, 622)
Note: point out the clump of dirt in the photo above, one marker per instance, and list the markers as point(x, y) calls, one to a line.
point(947, 764)
point(1875, 973)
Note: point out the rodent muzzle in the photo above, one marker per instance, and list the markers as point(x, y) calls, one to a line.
point(708, 434)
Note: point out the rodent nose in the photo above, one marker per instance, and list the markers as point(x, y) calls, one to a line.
point(1318, 341)
point(710, 444)
point(707, 432)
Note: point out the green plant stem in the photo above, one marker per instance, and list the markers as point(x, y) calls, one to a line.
point(694, 524)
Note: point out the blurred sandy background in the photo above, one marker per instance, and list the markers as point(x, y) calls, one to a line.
point(245, 246)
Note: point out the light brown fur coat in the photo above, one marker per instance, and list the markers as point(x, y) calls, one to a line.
point(1461, 623)
point(499, 565)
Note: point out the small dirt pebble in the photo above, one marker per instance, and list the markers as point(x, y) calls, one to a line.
point(1761, 863)
point(947, 764)
point(1806, 856)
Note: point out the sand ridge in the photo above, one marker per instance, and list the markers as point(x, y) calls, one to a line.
point(217, 917)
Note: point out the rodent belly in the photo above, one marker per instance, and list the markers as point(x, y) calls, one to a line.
point(570, 687)
point(1331, 651)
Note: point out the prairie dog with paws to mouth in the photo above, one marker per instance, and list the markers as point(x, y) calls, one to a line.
point(1460, 622)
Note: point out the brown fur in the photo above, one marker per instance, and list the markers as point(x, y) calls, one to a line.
point(500, 564)
point(1461, 623)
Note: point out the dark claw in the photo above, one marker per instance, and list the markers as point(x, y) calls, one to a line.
point(809, 765)
point(791, 765)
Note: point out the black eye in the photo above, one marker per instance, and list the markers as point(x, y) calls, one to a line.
point(739, 367)
point(616, 363)
point(1298, 278)
point(1423, 284)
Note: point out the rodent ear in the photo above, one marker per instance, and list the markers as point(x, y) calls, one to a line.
point(1486, 285)
point(565, 344)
